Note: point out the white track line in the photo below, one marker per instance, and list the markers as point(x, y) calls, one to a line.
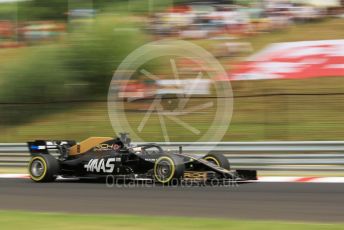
point(328, 180)
point(277, 179)
point(301, 179)
point(13, 176)
point(280, 179)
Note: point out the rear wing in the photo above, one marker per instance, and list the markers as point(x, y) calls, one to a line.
point(45, 146)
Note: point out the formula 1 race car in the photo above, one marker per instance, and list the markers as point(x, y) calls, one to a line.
point(98, 157)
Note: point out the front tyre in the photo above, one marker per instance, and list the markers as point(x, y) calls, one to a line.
point(43, 168)
point(218, 159)
point(168, 169)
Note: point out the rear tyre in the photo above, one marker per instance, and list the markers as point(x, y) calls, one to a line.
point(168, 169)
point(43, 168)
point(218, 159)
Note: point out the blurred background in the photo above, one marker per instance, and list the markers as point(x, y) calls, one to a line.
point(284, 61)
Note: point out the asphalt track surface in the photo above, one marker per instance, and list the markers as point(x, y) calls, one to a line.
point(282, 201)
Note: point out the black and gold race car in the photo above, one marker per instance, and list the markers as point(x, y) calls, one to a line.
point(98, 157)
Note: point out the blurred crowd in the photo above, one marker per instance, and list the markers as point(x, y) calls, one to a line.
point(14, 34)
point(205, 20)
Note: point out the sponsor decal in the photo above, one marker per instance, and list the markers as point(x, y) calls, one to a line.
point(195, 175)
point(293, 60)
point(104, 147)
point(102, 165)
point(36, 147)
point(52, 144)
point(150, 159)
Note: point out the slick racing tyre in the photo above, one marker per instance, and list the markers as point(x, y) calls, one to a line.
point(217, 159)
point(43, 168)
point(168, 169)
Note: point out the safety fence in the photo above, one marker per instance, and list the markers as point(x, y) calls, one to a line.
point(303, 155)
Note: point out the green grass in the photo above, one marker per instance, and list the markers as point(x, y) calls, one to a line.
point(37, 221)
point(8, 11)
point(258, 118)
